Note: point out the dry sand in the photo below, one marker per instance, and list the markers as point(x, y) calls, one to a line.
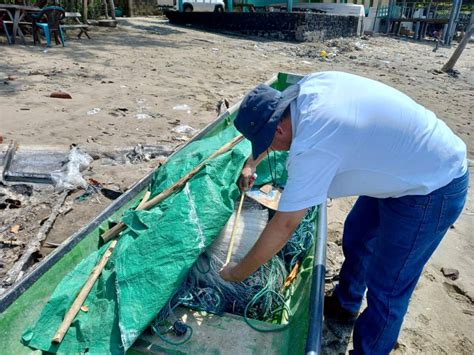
point(147, 67)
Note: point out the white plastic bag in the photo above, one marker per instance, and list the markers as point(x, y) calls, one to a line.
point(70, 177)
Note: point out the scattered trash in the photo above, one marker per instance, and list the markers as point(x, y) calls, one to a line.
point(359, 46)
point(1, 139)
point(323, 54)
point(22, 189)
point(182, 107)
point(184, 129)
point(12, 77)
point(181, 139)
point(94, 111)
point(12, 203)
point(60, 95)
point(109, 193)
point(306, 62)
point(137, 155)
point(143, 116)
point(15, 229)
point(51, 244)
point(142, 110)
point(90, 191)
point(222, 106)
point(450, 273)
point(84, 308)
point(70, 177)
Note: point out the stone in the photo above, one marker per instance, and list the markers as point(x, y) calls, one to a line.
point(60, 95)
point(450, 273)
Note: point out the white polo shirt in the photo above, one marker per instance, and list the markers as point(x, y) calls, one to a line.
point(353, 136)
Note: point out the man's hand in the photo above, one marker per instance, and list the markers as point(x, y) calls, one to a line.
point(273, 238)
point(246, 178)
point(226, 272)
point(247, 175)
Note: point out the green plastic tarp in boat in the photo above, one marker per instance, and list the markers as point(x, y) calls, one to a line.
point(152, 256)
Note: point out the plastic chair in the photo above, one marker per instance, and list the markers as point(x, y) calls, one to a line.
point(53, 16)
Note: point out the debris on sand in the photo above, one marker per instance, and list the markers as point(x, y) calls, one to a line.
point(450, 273)
point(70, 177)
point(60, 95)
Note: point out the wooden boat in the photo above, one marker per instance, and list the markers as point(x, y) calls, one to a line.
point(21, 305)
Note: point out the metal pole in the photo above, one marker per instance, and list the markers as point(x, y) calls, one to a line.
point(230, 6)
point(289, 4)
point(448, 36)
point(180, 5)
point(316, 306)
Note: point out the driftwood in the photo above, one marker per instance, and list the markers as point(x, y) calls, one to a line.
point(15, 273)
point(119, 227)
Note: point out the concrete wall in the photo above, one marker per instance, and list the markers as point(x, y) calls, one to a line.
point(296, 26)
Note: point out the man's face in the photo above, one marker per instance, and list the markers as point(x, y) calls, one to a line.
point(283, 136)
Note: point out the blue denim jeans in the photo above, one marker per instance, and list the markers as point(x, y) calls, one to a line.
point(386, 244)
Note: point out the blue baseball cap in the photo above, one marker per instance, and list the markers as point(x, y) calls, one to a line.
point(260, 112)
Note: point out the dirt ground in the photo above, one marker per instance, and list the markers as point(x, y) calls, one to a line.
point(136, 83)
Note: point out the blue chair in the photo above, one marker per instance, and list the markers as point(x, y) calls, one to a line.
point(49, 21)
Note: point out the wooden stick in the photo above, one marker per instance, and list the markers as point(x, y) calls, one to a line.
point(119, 227)
point(82, 295)
point(234, 229)
point(145, 198)
point(14, 274)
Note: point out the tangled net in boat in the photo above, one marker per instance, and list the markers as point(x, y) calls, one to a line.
point(260, 296)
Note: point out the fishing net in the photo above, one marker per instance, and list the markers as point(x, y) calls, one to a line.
point(261, 296)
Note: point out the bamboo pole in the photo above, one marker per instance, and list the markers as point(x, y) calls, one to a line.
point(144, 200)
point(82, 295)
point(119, 227)
point(84, 292)
point(234, 229)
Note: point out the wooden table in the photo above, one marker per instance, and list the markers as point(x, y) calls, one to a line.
point(16, 14)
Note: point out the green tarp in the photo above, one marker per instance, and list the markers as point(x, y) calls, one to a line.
point(152, 257)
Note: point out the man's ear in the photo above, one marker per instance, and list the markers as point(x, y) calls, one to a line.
point(279, 129)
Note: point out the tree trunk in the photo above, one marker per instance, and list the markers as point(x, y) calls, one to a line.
point(130, 8)
point(457, 53)
point(112, 9)
point(84, 10)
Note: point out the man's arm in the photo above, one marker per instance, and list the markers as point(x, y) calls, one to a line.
point(275, 235)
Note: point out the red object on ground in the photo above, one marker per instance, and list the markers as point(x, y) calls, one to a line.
point(60, 95)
